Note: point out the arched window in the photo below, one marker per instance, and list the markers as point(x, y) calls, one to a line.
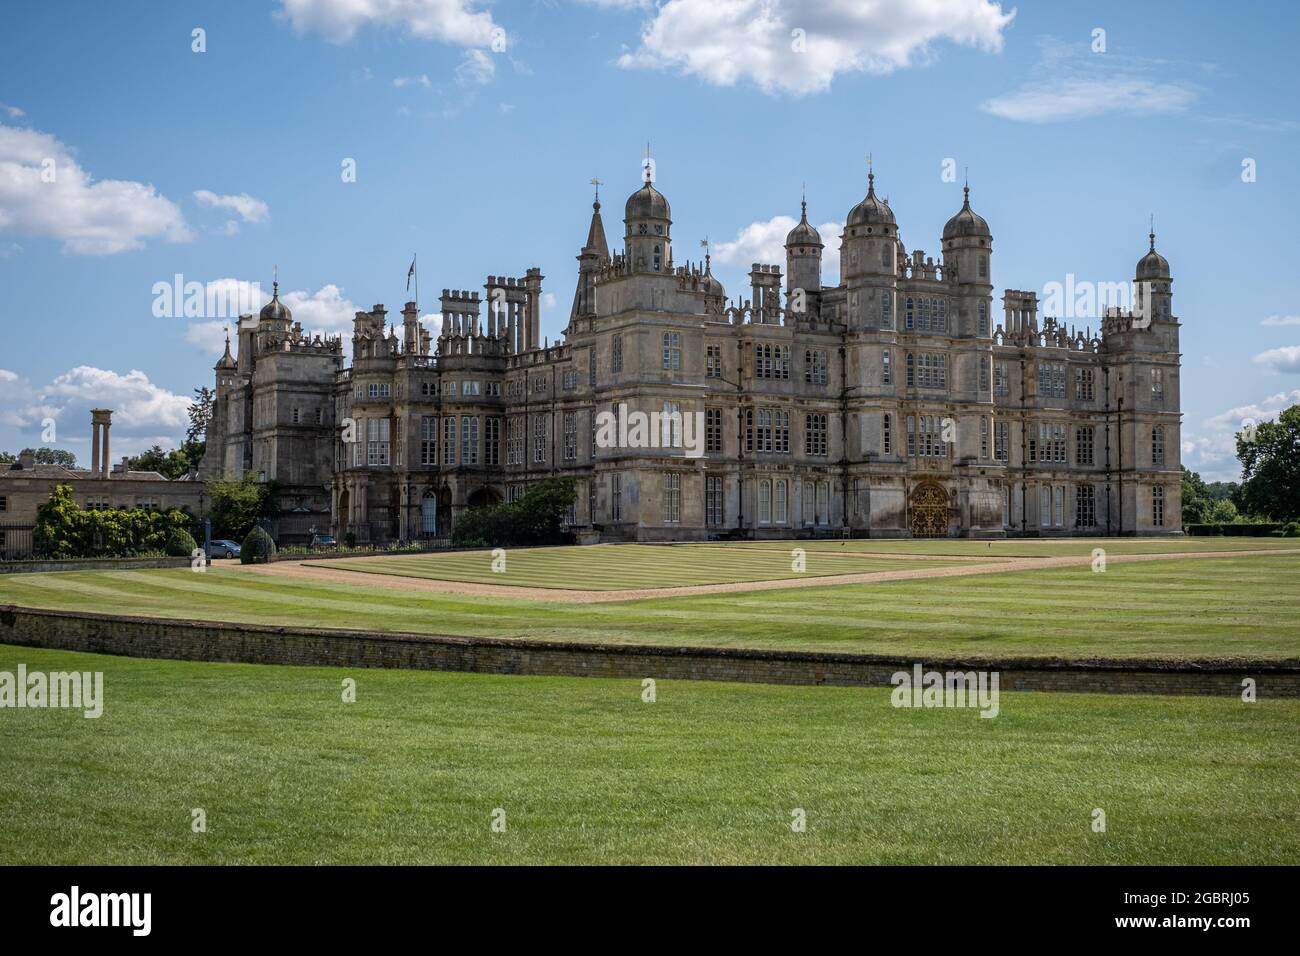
point(886, 435)
point(911, 369)
point(429, 514)
point(910, 315)
point(658, 253)
point(765, 502)
point(1158, 446)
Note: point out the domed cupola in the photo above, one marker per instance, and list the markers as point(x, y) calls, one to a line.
point(967, 222)
point(872, 211)
point(647, 203)
point(803, 234)
point(275, 310)
point(227, 361)
point(1153, 265)
point(803, 255)
point(648, 238)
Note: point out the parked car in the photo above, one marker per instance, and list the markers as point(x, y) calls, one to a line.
point(320, 541)
point(222, 548)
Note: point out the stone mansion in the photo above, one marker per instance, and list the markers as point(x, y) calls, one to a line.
point(896, 403)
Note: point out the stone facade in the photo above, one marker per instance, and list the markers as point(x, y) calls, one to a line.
point(893, 404)
point(26, 485)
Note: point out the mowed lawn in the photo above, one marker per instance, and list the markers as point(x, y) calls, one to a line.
point(1238, 607)
point(586, 772)
point(607, 567)
point(1030, 547)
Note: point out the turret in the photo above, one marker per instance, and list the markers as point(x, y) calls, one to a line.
point(803, 256)
point(1153, 284)
point(967, 249)
point(648, 238)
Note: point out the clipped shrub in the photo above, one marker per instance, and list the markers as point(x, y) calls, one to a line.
point(180, 544)
point(1292, 530)
point(258, 548)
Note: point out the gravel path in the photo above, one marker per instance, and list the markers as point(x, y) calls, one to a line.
point(307, 572)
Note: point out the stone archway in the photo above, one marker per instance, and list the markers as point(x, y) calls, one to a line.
point(928, 511)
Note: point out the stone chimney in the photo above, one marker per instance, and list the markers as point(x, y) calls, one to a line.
point(100, 421)
point(27, 459)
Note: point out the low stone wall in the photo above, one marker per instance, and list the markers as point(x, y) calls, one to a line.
point(256, 644)
point(91, 564)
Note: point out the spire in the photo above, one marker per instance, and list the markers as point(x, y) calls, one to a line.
point(803, 202)
point(1152, 234)
point(596, 244)
point(227, 360)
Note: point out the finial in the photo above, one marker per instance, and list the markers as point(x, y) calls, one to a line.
point(803, 202)
point(595, 181)
point(1152, 234)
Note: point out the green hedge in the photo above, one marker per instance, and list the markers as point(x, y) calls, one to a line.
point(1249, 530)
point(258, 548)
point(534, 519)
point(64, 530)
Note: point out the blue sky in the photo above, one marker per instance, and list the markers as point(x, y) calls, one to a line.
point(476, 154)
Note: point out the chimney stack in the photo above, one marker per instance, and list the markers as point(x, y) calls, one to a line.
point(101, 419)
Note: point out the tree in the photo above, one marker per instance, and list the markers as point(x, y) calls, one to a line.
point(170, 464)
point(43, 456)
point(1270, 468)
point(236, 506)
point(536, 518)
point(1196, 500)
point(65, 531)
point(200, 413)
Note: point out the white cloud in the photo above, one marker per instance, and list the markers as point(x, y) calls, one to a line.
point(1282, 320)
point(446, 21)
point(726, 41)
point(1070, 82)
point(326, 310)
point(422, 80)
point(9, 249)
point(764, 242)
point(1078, 98)
point(12, 111)
point(477, 67)
point(248, 208)
point(1212, 449)
point(90, 217)
point(1285, 359)
point(619, 4)
point(210, 337)
point(143, 412)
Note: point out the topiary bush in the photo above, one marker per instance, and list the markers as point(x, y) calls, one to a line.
point(180, 544)
point(258, 548)
point(1292, 530)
